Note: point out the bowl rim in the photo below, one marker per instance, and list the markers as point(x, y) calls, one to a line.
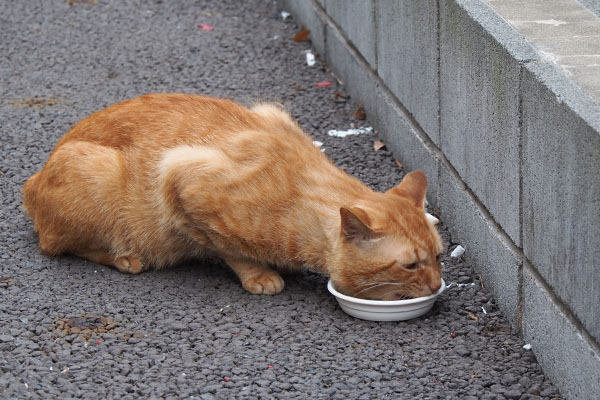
point(383, 303)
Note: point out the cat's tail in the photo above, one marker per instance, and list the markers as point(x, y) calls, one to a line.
point(29, 192)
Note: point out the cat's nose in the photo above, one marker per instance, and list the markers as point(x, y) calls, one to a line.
point(435, 286)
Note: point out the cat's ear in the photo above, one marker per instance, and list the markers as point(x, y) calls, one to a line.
point(413, 187)
point(355, 225)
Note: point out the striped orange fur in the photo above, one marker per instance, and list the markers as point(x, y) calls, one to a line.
point(163, 178)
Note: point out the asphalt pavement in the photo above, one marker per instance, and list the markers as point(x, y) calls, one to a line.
point(73, 329)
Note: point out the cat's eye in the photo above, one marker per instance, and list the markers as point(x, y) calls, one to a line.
point(412, 266)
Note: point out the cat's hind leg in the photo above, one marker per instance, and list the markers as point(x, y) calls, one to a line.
point(75, 204)
point(29, 193)
point(129, 265)
point(256, 278)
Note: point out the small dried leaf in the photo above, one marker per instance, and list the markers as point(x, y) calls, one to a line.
point(302, 35)
point(399, 164)
point(378, 145)
point(35, 102)
point(339, 81)
point(473, 316)
point(86, 325)
point(359, 113)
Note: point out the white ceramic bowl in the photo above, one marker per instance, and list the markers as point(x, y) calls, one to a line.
point(379, 310)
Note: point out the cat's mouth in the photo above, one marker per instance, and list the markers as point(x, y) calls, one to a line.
point(389, 296)
point(395, 296)
point(384, 291)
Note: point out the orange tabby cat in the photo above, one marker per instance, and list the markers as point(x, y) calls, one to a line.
point(163, 178)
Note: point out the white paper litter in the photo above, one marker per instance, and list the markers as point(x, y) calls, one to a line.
point(285, 15)
point(460, 284)
point(353, 131)
point(458, 251)
point(310, 59)
point(527, 346)
point(432, 218)
point(484, 311)
point(317, 143)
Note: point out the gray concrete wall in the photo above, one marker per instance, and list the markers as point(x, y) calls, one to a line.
point(510, 144)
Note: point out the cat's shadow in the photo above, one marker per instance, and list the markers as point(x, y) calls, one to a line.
point(213, 279)
point(202, 276)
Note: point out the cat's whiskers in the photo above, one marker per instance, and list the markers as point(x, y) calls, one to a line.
point(400, 296)
point(373, 286)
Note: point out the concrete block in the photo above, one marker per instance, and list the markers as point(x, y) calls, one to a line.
point(571, 361)
point(355, 74)
point(486, 248)
point(305, 12)
point(408, 147)
point(380, 107)
point(561, 189)
point(408, 57)
point(479, 93)
point(565, 31)
point(357, 20)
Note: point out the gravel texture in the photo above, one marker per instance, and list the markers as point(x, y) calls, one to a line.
point(72, 329)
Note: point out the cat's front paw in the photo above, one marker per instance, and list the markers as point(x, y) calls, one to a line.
point(265, 283)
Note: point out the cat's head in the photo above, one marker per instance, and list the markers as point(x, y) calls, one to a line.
point(388, 249)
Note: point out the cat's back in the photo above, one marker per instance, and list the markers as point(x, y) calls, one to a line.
point(159, 120)
point(146, 128)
